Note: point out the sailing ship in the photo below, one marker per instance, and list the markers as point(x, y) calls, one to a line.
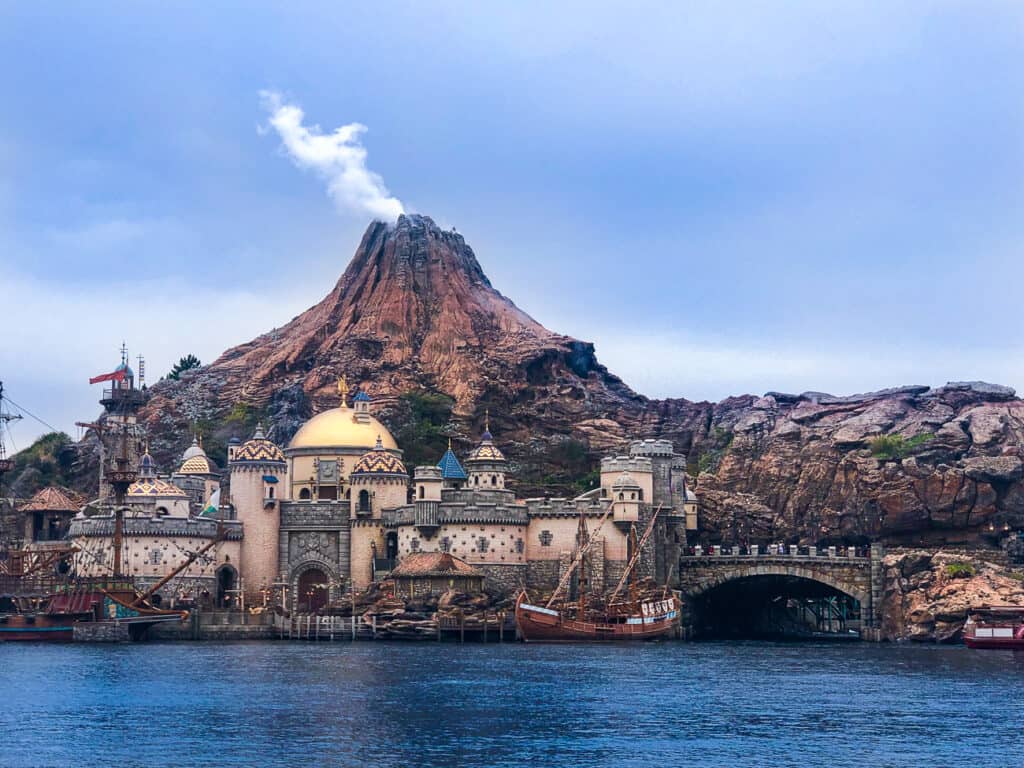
point(41, 599)
point(587, 620)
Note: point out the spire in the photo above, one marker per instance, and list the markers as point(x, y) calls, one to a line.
point(343, 391)
point(380, 444)
point(259, 434)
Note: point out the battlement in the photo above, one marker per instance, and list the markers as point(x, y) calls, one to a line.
point(427, 473)
point(652, 447)
point(631, 464)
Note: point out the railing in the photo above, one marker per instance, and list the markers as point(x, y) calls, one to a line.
point(427, 514)
point(793, 551)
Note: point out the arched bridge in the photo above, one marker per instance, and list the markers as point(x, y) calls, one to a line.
point(855, 575)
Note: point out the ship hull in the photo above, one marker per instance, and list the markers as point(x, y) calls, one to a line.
point(38, 628)
point(995, 643)
point(545, 625)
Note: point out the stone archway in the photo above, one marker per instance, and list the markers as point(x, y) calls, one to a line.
point(227, 584)
point(774, 600)
point(314, 583)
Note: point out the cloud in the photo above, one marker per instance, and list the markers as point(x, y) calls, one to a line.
point(338, 157)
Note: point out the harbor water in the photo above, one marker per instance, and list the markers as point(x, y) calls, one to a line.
point(392, 704)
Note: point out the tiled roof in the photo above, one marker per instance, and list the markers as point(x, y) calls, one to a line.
point(450, 467)
point(361, 397)
point(154, 486)
point(198, 465)
point(53, 499)
point(259, 449)
point(379, 462)
point(420, 564)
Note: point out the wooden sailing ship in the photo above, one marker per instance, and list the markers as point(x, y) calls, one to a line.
point(587, 620)
point(41, 600)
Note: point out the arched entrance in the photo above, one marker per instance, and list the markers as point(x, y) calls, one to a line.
point(312, 591)
point(227, 583)
point(775, 606)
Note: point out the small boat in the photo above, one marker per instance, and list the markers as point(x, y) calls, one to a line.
point(999, 627)
point(583, 621)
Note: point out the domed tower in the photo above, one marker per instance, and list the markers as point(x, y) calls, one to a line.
point(258, 469)
point(153, 496)
point(486, 464)
point(198, 475)
point(379, 481)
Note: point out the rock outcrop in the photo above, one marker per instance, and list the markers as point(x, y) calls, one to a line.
point(928, 594)
point(415, 313)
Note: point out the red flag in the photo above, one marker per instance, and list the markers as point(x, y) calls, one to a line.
point(115, 376)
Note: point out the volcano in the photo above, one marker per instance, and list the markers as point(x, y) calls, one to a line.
point(415, 322)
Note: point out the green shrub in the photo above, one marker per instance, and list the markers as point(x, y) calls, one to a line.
point(894, 447)
point(960, 570)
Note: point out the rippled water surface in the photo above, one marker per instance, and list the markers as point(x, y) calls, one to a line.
point(380, 704)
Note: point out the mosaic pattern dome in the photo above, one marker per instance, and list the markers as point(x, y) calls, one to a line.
point(259, 449)
point(198, 465)
point(379, 462)
point(487, 450)
point(153, 487)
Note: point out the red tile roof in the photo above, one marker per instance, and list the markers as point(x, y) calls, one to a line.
point(53, 499)
point(433, 564)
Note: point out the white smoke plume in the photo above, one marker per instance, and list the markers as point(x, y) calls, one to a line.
point(338, 157)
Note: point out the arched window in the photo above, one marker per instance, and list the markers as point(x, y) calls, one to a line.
point(632, 496)
point(621, 496)
point(494, 479)
point(162, 511)
point(305, 495)
point(270, 491)
point(421, 492)
point(476, 479)
point(641, 494)
point(364, 501)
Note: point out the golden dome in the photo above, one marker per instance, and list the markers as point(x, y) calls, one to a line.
point(339, 428)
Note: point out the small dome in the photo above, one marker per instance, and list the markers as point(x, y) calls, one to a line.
point(198, 465)
point(487, 450)
point(193, 450)
point(258, 449)
point(379, 462)
point(625, 480)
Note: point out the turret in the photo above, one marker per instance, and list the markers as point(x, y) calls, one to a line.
point(486, 464)
point(258, 470)
point(379, 481)
point(427, 482)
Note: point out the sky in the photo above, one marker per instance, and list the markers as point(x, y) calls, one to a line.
point(724, 198)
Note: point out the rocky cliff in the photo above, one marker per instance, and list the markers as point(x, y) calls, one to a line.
point(415, 321)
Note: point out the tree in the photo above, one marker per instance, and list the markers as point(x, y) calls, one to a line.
point(187, 363)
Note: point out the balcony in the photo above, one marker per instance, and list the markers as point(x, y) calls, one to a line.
point(427, 518)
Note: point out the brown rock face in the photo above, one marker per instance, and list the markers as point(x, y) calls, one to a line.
point(927, 595)
point(414, 312)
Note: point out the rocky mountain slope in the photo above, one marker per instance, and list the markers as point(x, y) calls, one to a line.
point(415, 321)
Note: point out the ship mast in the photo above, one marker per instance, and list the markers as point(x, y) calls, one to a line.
point(6, 464)
point(582, 542)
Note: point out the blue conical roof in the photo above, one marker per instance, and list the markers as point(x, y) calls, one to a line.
point(450, 467)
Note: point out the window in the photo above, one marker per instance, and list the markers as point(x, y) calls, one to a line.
point(494, 479)
point(270, 491)
point(621, 496)
point(154, 555)
point(641, 494)
point(414, 545)
point(545, 538)
point(520, 546)
point(421, 492)
point(446, 544)
point(305, 495)
point(364, 501)
point(482, 543)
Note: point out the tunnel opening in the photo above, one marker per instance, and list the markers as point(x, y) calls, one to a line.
point(776, 607)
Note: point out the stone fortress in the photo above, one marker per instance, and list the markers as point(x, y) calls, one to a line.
point(336, 509)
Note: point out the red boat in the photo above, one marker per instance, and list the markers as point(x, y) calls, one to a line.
point(999, 627)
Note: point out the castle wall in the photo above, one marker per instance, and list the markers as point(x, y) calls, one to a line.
point(365, 534)
point(505, 543)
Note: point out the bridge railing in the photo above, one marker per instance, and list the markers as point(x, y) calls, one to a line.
point(756, 551)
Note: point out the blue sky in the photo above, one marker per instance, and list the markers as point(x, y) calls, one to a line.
point(724, 198)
